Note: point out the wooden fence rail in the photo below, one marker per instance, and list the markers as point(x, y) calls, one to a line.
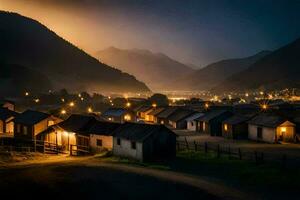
point(235, 153)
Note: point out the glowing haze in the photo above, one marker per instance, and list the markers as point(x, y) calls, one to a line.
point(192, 31)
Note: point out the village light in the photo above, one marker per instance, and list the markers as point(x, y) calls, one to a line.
point(37, 100)
point(154, 105)
point(128, 104)
point(90, 110)
point(264, 106)
point(225, 127)
point(283, 129)
point(206, 105)
point(81, 98)
point(261, 93)
point(246, 95)
point(127, 117)
point(26, 93)
point(79, 95)
point(63, 112)
point(71, 104)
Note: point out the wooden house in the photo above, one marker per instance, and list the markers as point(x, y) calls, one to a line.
point(236, 127)
point(30, 123)
point(141, 111)
point(191, 123)
point(81, 131)
point(144, 142)
point(211, 122)
point(271, 128)
point(6, 122)
point(119, 115)
point(152, 115)
point(177, 118)
point(162, 117)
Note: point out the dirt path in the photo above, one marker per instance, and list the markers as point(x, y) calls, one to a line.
point(216, 189)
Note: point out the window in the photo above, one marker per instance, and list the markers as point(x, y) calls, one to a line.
point(118, 141)
point(50, 122)
point(99, 142)
point(133, 145)
point(203, 126)
point(25, 130)
point(225, 127)
point(259, 132)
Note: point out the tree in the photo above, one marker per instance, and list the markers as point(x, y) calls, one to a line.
point(159, 99)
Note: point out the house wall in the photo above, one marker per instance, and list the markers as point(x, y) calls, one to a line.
point(237, 131)
point(268, 134)
point(107, 142)
point(192, 125)
point(125, 150)
point(1, 126)
point(203, 127)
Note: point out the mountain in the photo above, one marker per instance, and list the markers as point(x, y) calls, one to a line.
point(26, 42)
point(15, 80)
point(215, 73)
point(278, 70)
point(155, 69)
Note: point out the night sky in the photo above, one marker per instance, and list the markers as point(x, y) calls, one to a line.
point(191, 31)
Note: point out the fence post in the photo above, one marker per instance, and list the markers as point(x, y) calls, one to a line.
point(187, 144)
point(229, 152)
point(71, 148)
point(205, 147)
point(218, 151)
point(240, 154)
point(195, 145)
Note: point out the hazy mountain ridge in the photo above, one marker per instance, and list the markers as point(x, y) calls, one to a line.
point(155, 69)
point(215, 73)
point(26, 42)
point(278, 70)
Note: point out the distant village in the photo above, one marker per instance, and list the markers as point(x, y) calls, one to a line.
point(143, 128)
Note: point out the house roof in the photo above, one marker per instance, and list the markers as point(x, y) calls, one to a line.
point(102, 128)
point(6, 113)
point(145, 109)
point(116, 112)
point(211, 115)
point(180, 114)
point(156, 111)
point(167, 112)
point(236, 119)
point(31, 117)
point(194, 116)
point(139, 132)
point(76, 123)
point(268, 120)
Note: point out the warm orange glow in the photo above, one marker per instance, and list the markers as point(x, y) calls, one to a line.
point(37, 100)
point(63, 111)
point(225, 127)
point(71, 104)
point(90, 110)
point(127, 117)
point(128, 104)
point(283, 129)
point(247, 95)
point(264, 106)
point(154, 105)
point(26, 93)
point(63, 100)
point(206, 105)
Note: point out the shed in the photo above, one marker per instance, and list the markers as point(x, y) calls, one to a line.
point(191, 123)
point(162, 117)
point(6, 122)
point(144, 142)
point(119, 115)
point(177, 118)
point(236, 127)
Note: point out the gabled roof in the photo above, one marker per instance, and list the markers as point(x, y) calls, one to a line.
point(6, 113)
point(116, 112)
point(102, 128)
point(156, 111)
point(139, 132)
point(211, 115)
point(236, 119)
point(180, 114)
point(145, 109)
point(31, 117)
point(167, 112)
point(194, 116)
point(268, 120)
point(76, 123)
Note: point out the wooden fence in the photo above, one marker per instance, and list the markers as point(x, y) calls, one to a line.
point(219, 150)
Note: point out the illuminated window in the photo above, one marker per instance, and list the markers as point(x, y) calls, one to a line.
point(127, 117)
point(225, 127)
point(133, 145)
point(50, 122)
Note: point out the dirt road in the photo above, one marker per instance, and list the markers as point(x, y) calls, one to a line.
point(91, 177)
